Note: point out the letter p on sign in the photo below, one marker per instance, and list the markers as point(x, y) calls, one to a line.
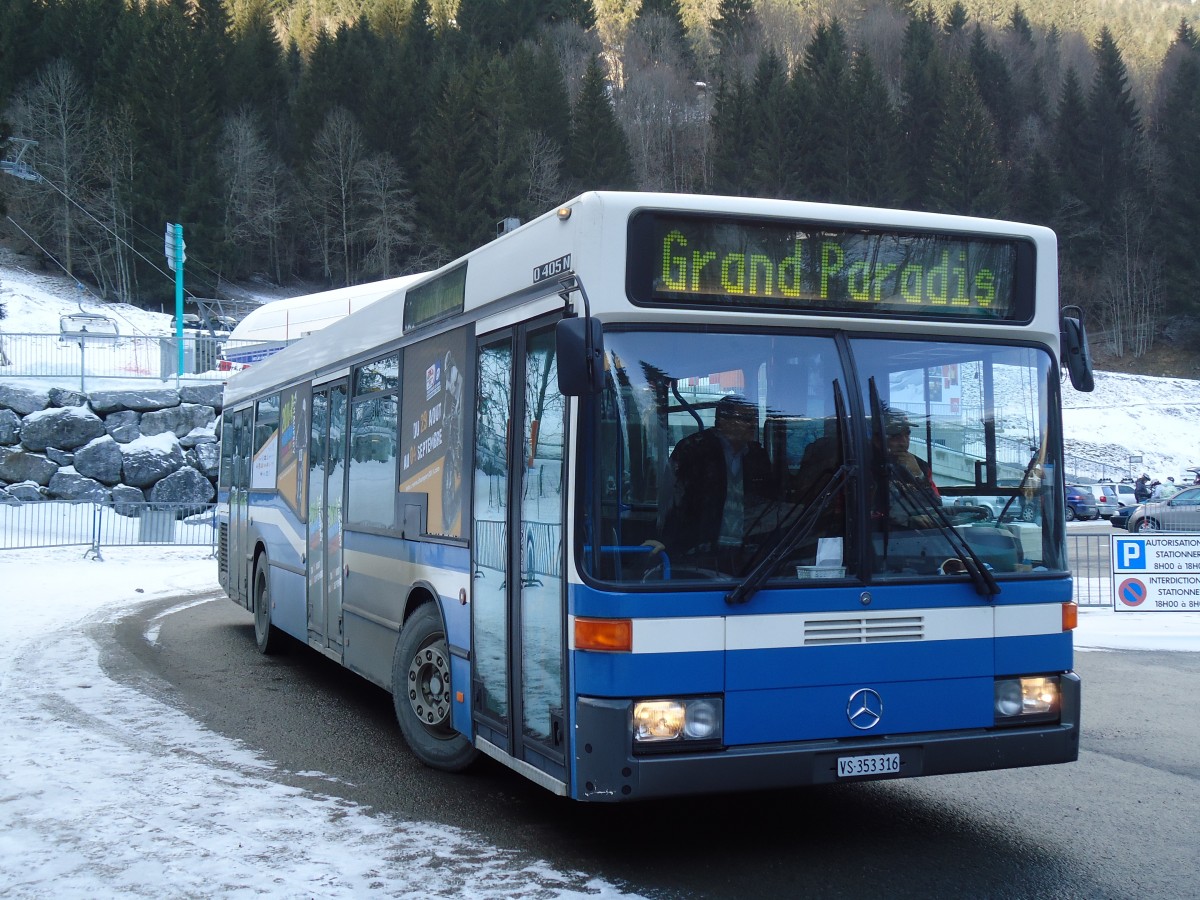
point(1132, 555)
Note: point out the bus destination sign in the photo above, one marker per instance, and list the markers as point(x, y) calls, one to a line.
point(823, 267)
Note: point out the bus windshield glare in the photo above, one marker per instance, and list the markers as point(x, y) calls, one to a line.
point(938, 442)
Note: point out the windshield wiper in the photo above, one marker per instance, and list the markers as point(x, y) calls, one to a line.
point(1021, 485)
point(981, 576)
point(796, 534)
point(799, 530)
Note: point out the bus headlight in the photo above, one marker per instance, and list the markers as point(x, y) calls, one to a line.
point(690, 721)
point(1029, 699)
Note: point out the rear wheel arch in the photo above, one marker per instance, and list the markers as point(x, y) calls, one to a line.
point(423, 694)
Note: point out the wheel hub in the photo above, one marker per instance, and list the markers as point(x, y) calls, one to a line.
point(429, 686)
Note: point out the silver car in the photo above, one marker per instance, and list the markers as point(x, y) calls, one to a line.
point(1178, 513)
point(1111, 496)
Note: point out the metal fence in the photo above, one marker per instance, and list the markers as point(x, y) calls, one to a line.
point(100, 358)
point(1089, 556)
point(66, 523)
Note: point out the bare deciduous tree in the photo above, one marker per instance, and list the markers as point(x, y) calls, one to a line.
point(387, 224)
point(54, 109)
point(543, 163)
point(252, 178)
point(336, 154)
point(1129, 284)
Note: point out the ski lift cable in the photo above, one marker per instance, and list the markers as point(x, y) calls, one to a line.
point(115, 236)
point(79, 284)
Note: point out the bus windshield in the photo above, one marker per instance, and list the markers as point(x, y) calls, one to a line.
point(825, 455)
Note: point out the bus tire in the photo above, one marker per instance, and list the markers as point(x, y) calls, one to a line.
point(423, 696)
point(269, 638)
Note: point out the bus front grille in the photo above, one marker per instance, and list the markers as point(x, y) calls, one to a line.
point(863, 630)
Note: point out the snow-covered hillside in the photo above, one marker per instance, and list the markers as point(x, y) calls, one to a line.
point(1127, 415)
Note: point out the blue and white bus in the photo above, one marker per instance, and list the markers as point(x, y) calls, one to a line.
point(459, 493)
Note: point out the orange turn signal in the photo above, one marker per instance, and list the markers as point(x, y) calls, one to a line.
point(1070, 616)
point(604, 634)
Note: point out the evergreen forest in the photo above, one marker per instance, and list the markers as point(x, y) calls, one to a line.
point(335, 142)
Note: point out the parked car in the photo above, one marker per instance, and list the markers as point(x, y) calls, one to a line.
point(1081, 504)
point(1111, 496)
point(1178, 513)
point(993, 507)
point(1120, 519)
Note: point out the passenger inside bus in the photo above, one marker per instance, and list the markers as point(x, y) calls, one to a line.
point(912, 494)
point(719, 476)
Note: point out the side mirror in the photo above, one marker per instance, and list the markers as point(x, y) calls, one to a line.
point(580, 346)
point(1075, 353)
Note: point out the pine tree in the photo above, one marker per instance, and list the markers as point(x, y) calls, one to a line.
point(729, 125)
point(255, 71)
point(734, 33)
point(772, 135)
point(660, 23)
point(1179, 206)
point(598, 157)
point(1113, 149)
point(966, 174)
point(995, 86)
point(454, 175)
point(876, 164)
point(924, 85)
point(825, 136)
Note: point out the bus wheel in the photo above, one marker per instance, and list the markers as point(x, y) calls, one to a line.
point(269, 638)
point(423, 695)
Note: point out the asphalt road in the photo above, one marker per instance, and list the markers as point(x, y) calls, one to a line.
point(1120, 822)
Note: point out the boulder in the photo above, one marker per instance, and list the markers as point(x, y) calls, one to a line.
point(198, 436)
point(67, 484)
point(128, 500)
point(105, 402)
point(27, 492)
point(63, 397)
point(101, 459)
point(122, 426)
point(65, 428)
point(206, 458)
point(179, 420)
point(185, 486)
point(204, 394)
point(10, 427)
point(21, 400)
point(21, 465)
point(59, 457)
point(149, 459)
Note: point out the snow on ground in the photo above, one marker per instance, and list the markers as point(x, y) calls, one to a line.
point(105, 791)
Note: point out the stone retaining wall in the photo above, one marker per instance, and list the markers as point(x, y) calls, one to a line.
point(127, 446)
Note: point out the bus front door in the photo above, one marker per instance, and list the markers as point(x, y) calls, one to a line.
point(326, 483)
point(518, 607)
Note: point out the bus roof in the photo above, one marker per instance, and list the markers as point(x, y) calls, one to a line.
point(591, 231)
point(295, 317)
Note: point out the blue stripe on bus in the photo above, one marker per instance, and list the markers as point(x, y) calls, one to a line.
point(797, 714)
point(649, 674)
point(1032, 654)
point(794, 666)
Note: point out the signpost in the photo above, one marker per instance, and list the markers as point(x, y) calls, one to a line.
point(174, 247)
point(1134, 461)
point(1156, 572)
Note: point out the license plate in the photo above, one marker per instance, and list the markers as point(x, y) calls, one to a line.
point(880, 764)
